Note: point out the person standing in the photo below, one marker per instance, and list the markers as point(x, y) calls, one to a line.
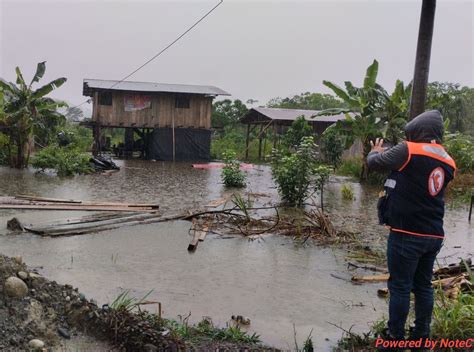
point(412, 206)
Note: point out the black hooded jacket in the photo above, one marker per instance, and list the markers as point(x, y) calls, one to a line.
point(424, 128)
point(413, 201)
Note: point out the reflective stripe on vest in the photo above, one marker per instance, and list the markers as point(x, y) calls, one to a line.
point(431, 150)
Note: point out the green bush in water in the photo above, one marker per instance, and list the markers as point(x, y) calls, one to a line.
point(298, 173)
point(347, 192)
point(300, 128)
point(65, 161)
point(333, 144)
point(231, 174)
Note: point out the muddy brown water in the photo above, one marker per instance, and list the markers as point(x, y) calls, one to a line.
point(275, 282)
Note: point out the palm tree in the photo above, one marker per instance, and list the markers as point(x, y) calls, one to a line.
point(423, 54)
point(27, 110)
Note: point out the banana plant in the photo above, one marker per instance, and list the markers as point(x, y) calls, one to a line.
point(371, 112)
point(28, 112)
point(363, 112)
point(396, 113)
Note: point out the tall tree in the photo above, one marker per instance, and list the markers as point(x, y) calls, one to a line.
point(423, 55)
point(455, 103)
point(74, 114)
point(227, 113)
point(27, 110)
point(307, 101)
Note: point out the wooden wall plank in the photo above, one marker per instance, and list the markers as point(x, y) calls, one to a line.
point(159, 115)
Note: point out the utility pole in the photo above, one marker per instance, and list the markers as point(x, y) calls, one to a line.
point(423, 54)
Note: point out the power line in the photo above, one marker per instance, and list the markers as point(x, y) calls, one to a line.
point(164, 49)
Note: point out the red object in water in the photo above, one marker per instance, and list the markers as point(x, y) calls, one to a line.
point(243, 166)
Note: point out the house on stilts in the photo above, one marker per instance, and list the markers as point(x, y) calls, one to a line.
point(263, 122)
point(172, 121)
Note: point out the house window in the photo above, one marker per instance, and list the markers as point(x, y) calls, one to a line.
point(105, 98)
point(182, 102)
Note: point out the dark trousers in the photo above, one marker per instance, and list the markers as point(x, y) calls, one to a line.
point(410, 262)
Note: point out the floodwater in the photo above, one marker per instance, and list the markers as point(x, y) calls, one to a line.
point(275, 282)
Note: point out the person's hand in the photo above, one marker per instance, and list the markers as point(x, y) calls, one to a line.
point(377, 146)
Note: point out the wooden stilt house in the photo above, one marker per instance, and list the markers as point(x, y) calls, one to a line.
point(172, 120)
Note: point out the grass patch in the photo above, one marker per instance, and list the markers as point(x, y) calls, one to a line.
point(453, 318)
point(351, 167)
point(361, 342)
point(347, 192)
point(205, 330)
point(126, 302)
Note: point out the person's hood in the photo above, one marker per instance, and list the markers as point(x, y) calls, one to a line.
point(425, 127)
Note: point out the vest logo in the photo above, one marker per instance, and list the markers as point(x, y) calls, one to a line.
point(436, 181)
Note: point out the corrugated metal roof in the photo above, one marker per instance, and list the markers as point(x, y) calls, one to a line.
point(291, 115)
point(90, 84)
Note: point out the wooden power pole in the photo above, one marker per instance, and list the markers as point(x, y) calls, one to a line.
point(423, 54)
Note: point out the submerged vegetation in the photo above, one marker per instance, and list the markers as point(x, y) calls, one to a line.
point(294, 172)
point(66, 161)
point(231, 174)
point(347, 192)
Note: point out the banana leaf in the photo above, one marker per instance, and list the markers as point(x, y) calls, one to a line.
point(40, 69)
point(371, 75)
point(48, 88)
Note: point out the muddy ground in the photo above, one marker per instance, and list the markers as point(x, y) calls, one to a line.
point(41, 315)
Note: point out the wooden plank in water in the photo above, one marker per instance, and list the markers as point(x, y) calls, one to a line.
point(82, 207)
point(216, 202)
point(66, 227)
point(54, 200)
point(371, 278)
point(194, 242)
point(203, 232)
point(26, 199)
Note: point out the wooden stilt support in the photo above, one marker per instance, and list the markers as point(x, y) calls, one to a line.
point(247, 141)
point(96, 131)
point(194, 242)
point(174, 139)
point(274, 134)
point(470, 208)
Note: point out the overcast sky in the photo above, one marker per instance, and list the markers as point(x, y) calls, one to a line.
point(252, 49)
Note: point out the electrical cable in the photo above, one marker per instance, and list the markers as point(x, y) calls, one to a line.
point(161, 51)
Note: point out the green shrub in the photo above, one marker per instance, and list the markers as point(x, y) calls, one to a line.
point(231, 174)
point(461, 148)
point(332, 146)
point(298, 173)
point(351, 167)
point(347, 192)
point(299, 129)
point(65, 161)
point(3, 149)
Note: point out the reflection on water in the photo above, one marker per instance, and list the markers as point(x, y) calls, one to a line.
point(275, 282)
